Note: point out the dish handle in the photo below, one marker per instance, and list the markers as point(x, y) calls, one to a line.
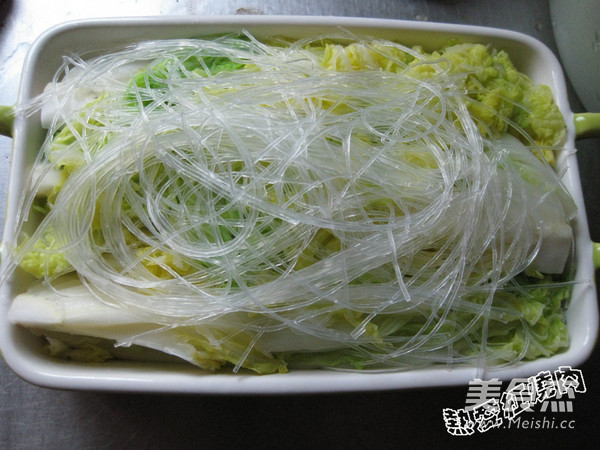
point(7, 116)
point(587, 125)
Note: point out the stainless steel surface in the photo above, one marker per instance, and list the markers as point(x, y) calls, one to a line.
point(581, 49)
point(32, 417)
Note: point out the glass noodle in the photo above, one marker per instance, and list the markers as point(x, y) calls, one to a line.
point(303, 208)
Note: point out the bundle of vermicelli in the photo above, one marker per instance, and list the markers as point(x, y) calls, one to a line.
point(248, 204)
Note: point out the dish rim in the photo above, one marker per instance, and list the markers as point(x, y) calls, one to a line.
point(126, 377)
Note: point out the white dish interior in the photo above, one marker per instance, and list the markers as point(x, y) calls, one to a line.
point(20, 347)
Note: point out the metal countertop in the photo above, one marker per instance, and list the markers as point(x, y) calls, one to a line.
point(33, 417)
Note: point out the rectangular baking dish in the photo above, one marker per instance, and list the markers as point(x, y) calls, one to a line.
point(20, 347)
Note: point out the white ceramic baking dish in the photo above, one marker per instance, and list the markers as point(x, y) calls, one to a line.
point(20, 347)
